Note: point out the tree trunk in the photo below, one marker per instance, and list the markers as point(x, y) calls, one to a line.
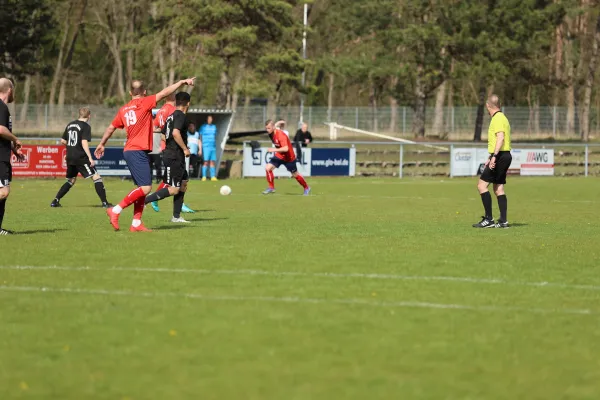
point(373, 103)
point(393, 107)
point(25, 106)
point(480, 106)
point(438, 118)
point(558, 71)
point(61, 92)
point(224, 93)
point(236, 85)
point(39, 95)
point(59, 60)
point(330, 87)
point(130, 40)
point(162, 68)
point(418, 126)
point(570, 78)
point(589, 84)
point(173, 49)
point(450, 101)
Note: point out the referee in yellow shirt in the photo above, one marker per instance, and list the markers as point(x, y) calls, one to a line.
point(496, 166)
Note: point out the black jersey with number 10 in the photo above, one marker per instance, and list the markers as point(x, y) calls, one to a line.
point(75, 132)
point(178, 121)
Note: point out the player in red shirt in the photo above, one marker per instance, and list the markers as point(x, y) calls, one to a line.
point(283, 155)
point(136, 118)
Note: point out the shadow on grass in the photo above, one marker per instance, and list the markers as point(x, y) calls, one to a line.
point(518, 225)
point(33, 232)
point(206, 219)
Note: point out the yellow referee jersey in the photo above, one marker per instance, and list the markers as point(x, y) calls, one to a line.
point(499, 123)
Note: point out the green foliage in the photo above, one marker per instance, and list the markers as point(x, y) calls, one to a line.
point(25, 28)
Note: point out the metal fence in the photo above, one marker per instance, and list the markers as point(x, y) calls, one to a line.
point(457, 123)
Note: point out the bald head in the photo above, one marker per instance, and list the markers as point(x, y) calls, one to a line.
point(493, 104)
point(7, 90)
point(137, 88)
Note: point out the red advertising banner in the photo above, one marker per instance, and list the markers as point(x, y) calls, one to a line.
point(41, 161)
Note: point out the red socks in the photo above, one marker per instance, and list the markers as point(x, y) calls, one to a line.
point(138, 208)
point(132, 197)
point(301, 181)
point(162, 186)
point(271, 179)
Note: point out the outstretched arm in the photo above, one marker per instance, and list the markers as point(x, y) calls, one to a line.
point(171, 89)
point(99, 153)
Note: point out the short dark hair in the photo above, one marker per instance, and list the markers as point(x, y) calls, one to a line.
point(182, 99)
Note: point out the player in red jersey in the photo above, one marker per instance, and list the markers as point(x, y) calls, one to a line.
point(283, 155)
point(136, 118)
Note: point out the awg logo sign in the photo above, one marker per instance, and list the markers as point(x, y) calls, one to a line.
point(21, 164)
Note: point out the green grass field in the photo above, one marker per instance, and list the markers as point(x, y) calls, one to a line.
point(367, 289)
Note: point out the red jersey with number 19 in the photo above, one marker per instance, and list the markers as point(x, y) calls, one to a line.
point(280, 139)
point(136, 118)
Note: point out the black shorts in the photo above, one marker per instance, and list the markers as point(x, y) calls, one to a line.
point(498, 174)
point(5, 173)
point(290, 166)
point(86, 170)
point(175, 172)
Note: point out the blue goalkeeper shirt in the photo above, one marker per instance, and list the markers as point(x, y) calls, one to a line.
point(209, 136)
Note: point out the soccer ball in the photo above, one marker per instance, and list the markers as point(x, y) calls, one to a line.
point(225, 190)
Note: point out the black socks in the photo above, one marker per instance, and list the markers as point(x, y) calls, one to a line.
point(2, 208)
point(64, 189)
point(177, 204)
point(503, 206)
point(486, 199)
point(100, 190)
point(158, 195)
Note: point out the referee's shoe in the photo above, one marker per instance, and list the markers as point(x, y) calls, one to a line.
point(485, 223)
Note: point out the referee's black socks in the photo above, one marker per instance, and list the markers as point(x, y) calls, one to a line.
point(502, 205)
point(486, 199)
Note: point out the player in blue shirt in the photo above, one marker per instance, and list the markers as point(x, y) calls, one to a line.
point(208, 141)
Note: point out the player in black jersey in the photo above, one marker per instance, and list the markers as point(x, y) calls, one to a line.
point(175, 176)
point(8, 144)
point(77, 137)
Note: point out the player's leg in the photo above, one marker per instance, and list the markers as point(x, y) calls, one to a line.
point(72, 172)
point(139, 166)
point(205, 163)
point(270, 175)
point(166, 189)
point(291, 166)
point(5, 179)
point(212, 159)
point(502, 166)
point(487, 221)
point(100, 189)
point(178, 202)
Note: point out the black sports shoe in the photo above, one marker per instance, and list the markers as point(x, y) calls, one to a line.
point(4, 232)
point(55, 203)
point(107, 205)
point(502, 224)
point(485, 223)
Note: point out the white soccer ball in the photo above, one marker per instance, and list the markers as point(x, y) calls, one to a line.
point(225, 190)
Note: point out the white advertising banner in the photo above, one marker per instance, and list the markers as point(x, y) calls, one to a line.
point(467, 161)
point(536, 162)
point(255, 161)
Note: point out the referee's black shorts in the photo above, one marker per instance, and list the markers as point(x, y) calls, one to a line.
point(498, 174)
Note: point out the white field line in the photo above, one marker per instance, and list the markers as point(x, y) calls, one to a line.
point(297, 300)
point(333, 275)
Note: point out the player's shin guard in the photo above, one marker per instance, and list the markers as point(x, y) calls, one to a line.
point(131, 198)
point(158, 195)
point(2, 208)
point(178, 204)
point(100, 190)
point(213, 172)
point(301, 181)
point(204, 169)
point(271, 179)
point(64, 189)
